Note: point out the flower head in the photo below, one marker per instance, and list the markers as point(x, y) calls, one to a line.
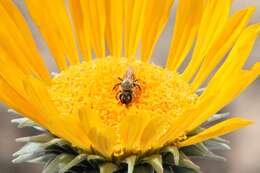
point(82, 103)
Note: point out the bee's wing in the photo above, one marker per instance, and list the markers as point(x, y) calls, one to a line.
point(129, 74)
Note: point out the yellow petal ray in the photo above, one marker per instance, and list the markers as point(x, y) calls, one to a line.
point(94, 18)
point(223, 43)
point(11, 74)
point(100, 136)
point(83, 34)
point(156, 128)
point(11, 51)
point(17, 42)
point(134, 21)
point(89, 119)
point(188, 17)
point(38, 97)
point(54, 23)
point(213, 20)
point(217, 130)
point(190, 115)
point(236, 58)
point(40, 100)
point(114, 26)
point(230, 80)
point(103, 140)
point(231, 89)
point(12, 90)
point(75, 134)
point(20, 104)
point(156, 16)
point(130, 133)
point(178, 127)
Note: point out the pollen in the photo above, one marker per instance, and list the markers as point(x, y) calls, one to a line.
point(90, 85)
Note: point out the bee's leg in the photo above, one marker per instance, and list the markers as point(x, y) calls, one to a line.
point(116, 85)
point(138, 86)
point(118, 95)
point(119, 78)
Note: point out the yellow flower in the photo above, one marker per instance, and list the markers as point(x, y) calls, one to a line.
point(79, 103)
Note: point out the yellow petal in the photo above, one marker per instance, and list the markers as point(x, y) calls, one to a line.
point(156, 15)
point(217, 130)
point(156, 127)
point(230, 79)
point(103, 140)
point(74, 134)
point(188, 17)
point(213, 20)
point(237, 57)
point(131, 132)
point(11, 74)
point(54, 23)
point(83, 34)
point(94, 18)
point(179, 125)
point(232, 88)
point(40, 100)
point(14, 100)
point(89, 119)
point(114, 26)
point(101, 137)
point(222, 45)
point(134, 21)
point(17, 42)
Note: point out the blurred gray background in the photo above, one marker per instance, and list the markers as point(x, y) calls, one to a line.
point(245, 154)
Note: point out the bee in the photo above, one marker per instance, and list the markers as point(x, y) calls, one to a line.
point(126, 87)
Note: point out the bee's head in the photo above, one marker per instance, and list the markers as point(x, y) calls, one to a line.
point(125, 97)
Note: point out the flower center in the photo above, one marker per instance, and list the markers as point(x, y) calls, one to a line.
point(90, 85)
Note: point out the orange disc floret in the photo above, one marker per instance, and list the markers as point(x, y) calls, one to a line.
point(90, 85)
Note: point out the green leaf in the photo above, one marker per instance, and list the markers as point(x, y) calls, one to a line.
point(130, 163)
point(42, 138)
point(218, 117)
point(55, 141)
point(184, 170)
point(216, 145)
point(175, 153)
point(13, 111)
point(58, 163)
point(27, 157)
point(143, 169)
point(73, 162)
point(29, 148)
point(168, 169)
point(25, 122)
point(200, 90)
point(219, 139)
point(33, 150)
point(200, 150)
point(195, 131)
point(108, 168)
point(95, 157)
point(187, 163)
point(43, 159)
point(95, 160)
point(155, 161)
